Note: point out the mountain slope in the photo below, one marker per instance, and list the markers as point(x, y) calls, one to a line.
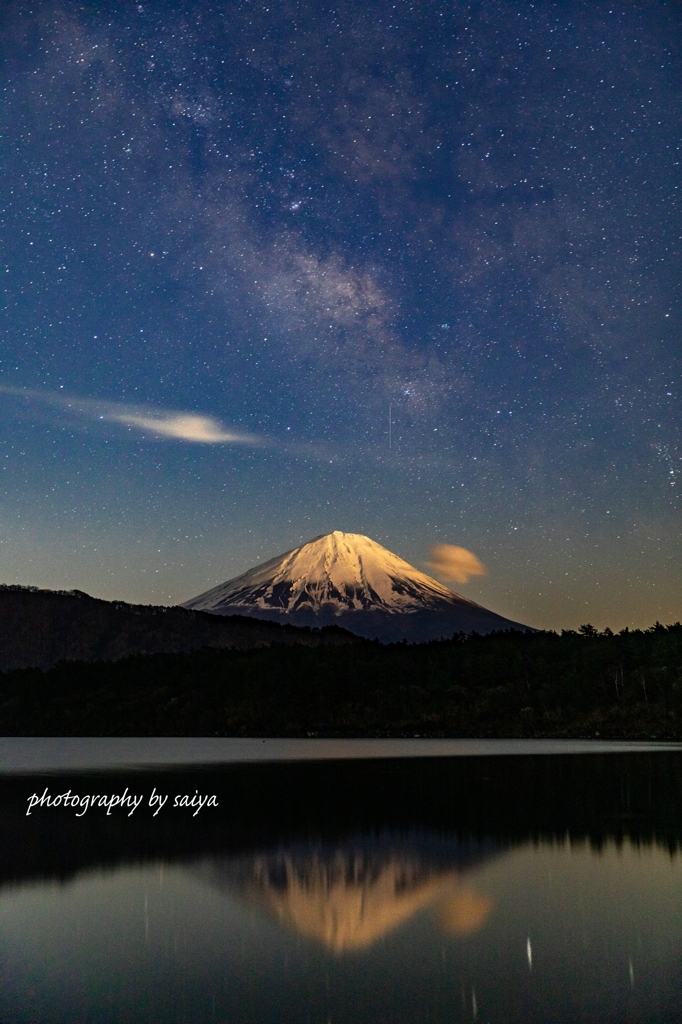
point(38, 628)
point(351, 581)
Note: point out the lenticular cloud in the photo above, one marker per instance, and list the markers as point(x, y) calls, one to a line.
point(455, 564)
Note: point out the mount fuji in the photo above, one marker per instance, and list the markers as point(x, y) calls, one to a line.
point(349, 580)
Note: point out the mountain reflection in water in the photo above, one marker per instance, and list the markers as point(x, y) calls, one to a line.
point(434, 891)
point(348, 897)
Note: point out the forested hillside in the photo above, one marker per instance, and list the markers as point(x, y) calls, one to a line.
point(38, 628)
point(583, 683)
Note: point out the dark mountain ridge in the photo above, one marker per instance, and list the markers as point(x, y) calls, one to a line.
point(39, 628)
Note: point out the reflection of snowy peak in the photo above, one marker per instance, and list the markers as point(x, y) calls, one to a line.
point(350, 580)
point(349, 896)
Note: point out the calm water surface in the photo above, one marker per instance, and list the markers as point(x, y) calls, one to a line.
point(499, 888)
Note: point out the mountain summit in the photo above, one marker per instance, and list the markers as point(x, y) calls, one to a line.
point(349, 580)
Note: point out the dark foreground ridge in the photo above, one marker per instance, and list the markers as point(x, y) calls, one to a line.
point(39, 628)
point(508, 684)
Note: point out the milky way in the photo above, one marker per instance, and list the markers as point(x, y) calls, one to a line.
point(282, 224)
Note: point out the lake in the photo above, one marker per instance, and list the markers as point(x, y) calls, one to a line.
point(339, 881)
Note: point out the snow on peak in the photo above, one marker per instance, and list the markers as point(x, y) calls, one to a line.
point(334, 574)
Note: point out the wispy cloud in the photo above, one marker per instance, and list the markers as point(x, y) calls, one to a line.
point(455, 564)
point(160, 423)
point(180, 425)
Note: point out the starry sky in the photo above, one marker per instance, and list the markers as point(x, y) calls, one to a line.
point(403, 269)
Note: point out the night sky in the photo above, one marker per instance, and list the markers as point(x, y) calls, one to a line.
point(237, 238)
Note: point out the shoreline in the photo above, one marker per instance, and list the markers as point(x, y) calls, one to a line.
point(23, 755)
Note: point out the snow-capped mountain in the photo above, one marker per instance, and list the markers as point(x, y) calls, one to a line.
point(351, 581)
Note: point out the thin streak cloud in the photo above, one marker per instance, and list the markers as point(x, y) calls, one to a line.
point(162, 423)
point(181, 426)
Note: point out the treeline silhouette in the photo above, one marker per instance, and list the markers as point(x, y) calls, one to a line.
point(505, 684)
point(43, 627)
